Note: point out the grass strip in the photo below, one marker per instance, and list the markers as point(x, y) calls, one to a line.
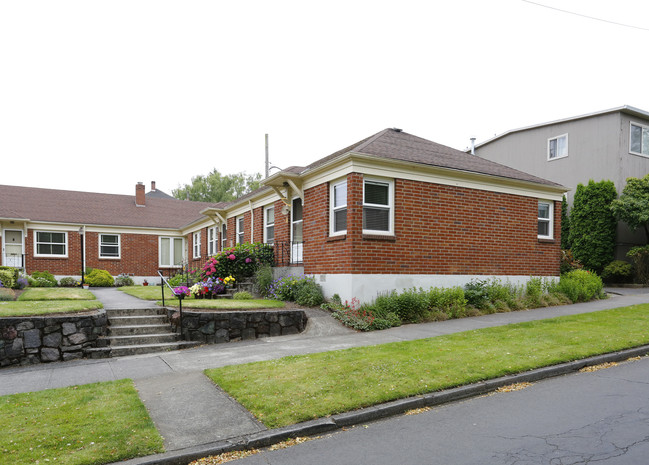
point(89, 424)
point(37, 308)
point(154, 293)
point(56, 293)
point(147, 292)
point(299, 388)
point(230, 304)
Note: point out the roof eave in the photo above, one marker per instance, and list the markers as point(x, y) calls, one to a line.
point(623, 109)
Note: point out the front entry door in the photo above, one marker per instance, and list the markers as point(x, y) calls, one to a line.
point(12, 246)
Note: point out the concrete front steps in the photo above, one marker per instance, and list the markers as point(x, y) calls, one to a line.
point(137, 331)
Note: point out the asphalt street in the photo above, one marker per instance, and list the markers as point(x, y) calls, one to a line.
point(592, 417)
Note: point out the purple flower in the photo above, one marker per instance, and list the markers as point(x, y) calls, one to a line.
point(248, 260)
point(181, 290)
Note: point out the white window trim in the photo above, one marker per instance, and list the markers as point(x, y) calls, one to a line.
point(297, 249)
point(212, 243)
point(224, 237)
point(550, 220)
point(66, 244)
point(557, 139)
point(390, 206)
point(644, 127)
point(196, 244)
point(171, 241)
point(241, 226)
point(331, 206)
point(119, 246)
point(267, 225)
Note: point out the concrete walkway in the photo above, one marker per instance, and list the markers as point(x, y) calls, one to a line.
point(176, 393)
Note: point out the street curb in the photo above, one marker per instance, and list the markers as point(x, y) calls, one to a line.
point(376, 412)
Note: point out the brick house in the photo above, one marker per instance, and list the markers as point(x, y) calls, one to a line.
point(392, 211)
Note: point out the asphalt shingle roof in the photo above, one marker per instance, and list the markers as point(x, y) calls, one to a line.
point(63, 206)
point(398, 145)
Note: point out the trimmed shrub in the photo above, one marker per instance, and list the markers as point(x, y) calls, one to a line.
point(99, 278)
point(124, 280)
point(7, 278)
point(580, 285)
point(14, 272)
point(42, 279)
point(242, 295)
point(592, 224)
point(617, 272)
point(240, 261)
point(263, 279)
point(68, 282)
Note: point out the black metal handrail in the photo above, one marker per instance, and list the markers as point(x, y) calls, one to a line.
point(288, 253)
point(163, 283)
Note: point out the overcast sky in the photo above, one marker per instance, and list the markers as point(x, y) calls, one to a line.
point(96, 96)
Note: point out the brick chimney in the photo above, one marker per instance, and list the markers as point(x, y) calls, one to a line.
point(153, 186)
point(139, 194)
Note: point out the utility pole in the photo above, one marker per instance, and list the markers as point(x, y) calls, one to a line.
point(266, 165)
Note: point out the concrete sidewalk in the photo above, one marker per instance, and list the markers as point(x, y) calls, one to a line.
point(175, 391)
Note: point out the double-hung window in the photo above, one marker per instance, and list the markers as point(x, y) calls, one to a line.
point(558, 147)
point(212, 240)
point(224, 236)
point(338, 218)
point(171, 251)
point(51, 244)
point(545, 220)
point(269, 225)
point(639, 140)
point(297, 246)
point(109, 246)
point(196, 242)
point(240, 230)
point(378, 208)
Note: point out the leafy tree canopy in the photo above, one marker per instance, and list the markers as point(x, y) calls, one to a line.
point(216, 187)
point(633, 205)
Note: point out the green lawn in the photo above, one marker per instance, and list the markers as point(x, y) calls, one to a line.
point(147, 292)
point(229, 304)
point(56, 293)
point(90, 424)
point(36, 307)
point(154, 293)
point(299, 388)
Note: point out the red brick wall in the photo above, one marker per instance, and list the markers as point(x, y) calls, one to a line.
point(438, 230)
point(139, 255)
point(258, 225)
point(189, 239)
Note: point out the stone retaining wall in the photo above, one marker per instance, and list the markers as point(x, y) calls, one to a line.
point(31, 339)
point(217, 327)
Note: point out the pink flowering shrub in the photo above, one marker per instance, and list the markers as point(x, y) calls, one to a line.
point(240, 261)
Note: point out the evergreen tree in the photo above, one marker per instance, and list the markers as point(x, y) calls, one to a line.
point(565, 224)
point(592, 224)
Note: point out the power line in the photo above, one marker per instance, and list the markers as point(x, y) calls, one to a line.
point(586, 16)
